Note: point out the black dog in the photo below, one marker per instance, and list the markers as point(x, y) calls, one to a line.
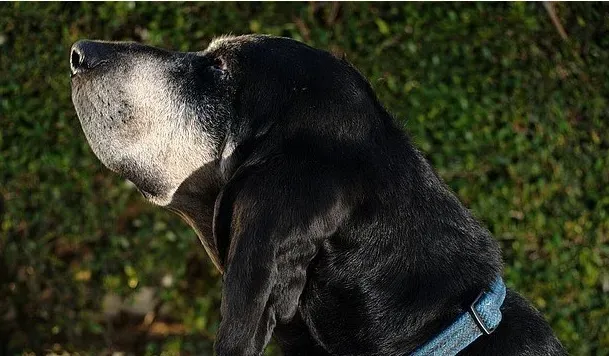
point(332, 231)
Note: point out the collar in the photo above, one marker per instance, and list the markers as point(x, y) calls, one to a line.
point(482, 318)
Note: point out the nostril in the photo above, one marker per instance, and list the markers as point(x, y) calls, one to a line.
point(76, 60)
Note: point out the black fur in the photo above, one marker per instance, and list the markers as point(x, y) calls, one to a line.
point(334, 232)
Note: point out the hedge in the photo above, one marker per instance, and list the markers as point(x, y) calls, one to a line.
point(513, 117)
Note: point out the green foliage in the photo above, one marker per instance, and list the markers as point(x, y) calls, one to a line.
point(513, 118)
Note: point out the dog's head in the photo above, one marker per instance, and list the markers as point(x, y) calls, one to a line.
point(151, 115)
point(157, 117)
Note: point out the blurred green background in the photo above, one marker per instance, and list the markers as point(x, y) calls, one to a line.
point(513, 116)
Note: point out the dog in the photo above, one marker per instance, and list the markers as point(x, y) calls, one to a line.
point(331, 230)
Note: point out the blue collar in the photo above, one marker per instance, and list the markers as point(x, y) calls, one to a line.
point(482, 318)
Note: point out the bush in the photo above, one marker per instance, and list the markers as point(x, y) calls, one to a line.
point(514, 119)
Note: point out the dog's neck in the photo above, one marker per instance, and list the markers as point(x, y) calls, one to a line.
point(195, 199)
point(194, 202)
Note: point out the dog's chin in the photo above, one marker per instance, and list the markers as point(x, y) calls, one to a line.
point(154, 184)
point(163, 200)
point(151, 182)
point(153, 192)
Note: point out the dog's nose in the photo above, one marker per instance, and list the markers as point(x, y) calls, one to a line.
point(88, 54)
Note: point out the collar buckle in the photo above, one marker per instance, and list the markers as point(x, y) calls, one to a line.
point(478, 319)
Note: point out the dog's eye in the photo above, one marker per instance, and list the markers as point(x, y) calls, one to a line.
point(219, 64)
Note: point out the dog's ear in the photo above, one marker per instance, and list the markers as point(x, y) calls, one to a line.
point(232, 154)
point(270, 220)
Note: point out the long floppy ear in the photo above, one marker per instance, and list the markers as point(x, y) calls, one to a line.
point(271, 220)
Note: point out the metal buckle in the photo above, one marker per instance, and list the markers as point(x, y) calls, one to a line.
point(477, 318)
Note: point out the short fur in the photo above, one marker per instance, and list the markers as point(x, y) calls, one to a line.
point(332, 230)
